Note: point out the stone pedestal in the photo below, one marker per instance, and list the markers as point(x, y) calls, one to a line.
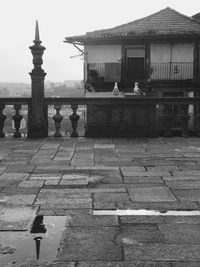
point(116, 121)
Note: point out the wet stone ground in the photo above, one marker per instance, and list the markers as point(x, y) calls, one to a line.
point(50, 188)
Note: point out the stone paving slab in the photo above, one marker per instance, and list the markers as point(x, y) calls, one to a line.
point(9, 191)
point(15, 218)
point(161, 206)
point(128, 264)
point(91, 221)
point(81, 243)
point(142, 219)
point(141, 233)
point(180, 233)
point(151, 194)
point(58, 210)
point(187, 184)
point(187, 195)
point(162, 252)
point(17, 199)
point(159, 174)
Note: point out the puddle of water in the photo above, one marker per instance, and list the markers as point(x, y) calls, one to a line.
point(143, 212)
point(41, 243)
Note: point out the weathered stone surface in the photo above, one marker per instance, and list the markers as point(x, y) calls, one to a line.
point(20, 168)
point(70, 203)
point(183, 184)
point(151, 194)
point(187, 195)
point(53, 169)
point(147, 174)
point(45, 264)
point(12, 179)
point(91, 221)
point(162, 252)
point(103, 178)
point(182, 178)
point(74, 179)
point(15, 218)
point(140, 233)
point(186, 173)
point(8, 191)
point(126, 171)
point(96, 168)
point(6, 250)
point(114, 163)
point(185, 264)
point(52, 182)
point(82, 162)
point(161, 206)
point(109, 200)
point(17, 199)
point(148, 181)
point(86, 244)
point(31, 183)
point(126, 264)
point(142, 219)
point(181, 233)
point(45, 176)
point(57, 210)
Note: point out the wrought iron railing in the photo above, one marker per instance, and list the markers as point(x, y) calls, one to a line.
point(171, 71)
point(165, 71)
point(96, 72)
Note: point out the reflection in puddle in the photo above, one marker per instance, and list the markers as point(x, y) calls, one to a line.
point(144, 212)
point(42, 242)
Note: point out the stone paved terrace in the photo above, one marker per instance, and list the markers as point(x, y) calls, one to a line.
point(72, 177)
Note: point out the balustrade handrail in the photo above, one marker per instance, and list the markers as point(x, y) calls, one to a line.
point(121, 100)
point(74, 102)
point(15, 100)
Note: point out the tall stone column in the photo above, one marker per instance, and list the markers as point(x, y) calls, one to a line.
point(38, 120)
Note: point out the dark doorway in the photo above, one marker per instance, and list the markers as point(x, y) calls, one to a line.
point(135, 64)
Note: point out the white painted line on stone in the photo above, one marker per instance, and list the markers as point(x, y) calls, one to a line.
point(143, 212)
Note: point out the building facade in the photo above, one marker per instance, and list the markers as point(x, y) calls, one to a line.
point(161, 52)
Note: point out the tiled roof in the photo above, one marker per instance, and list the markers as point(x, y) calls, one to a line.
point(166, 22)
point(196, 16)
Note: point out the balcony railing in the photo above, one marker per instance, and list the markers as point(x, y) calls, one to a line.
point(173, 114)
point(166, 71)
point(171, 71)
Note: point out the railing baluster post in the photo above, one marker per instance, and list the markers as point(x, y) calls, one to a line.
point(74, 117)
point(2, 119)
point(57, 120)
point(38, 119)
point(17, 120)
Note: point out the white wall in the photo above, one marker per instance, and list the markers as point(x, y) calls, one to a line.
point(103, 53)
point(176, 52)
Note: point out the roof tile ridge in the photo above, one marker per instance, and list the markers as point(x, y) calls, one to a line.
point(128, 23)
point(185, 16)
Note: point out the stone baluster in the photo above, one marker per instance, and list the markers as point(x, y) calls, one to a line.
point(57, 120)
point(74, 117)
point(2, 119)
point(17, 121)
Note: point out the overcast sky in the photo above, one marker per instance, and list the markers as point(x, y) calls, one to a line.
point(61, 18)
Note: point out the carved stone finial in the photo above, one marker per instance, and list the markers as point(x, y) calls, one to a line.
point(37, 34)
point(37, 51)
